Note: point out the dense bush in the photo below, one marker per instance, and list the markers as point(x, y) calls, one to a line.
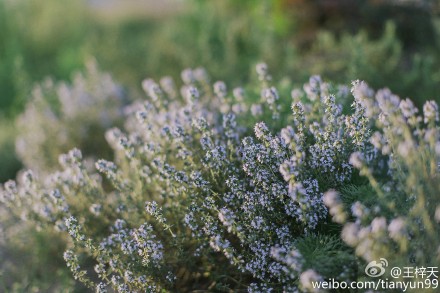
point(257, 188)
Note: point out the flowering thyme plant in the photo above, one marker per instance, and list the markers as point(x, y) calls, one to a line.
point(246, 189)
point(395, 213)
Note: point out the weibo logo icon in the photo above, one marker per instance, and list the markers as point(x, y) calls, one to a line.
point(376, 268)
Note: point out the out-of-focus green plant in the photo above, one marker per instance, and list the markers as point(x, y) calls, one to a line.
point(413, 18)
point(381, 62)
point(217, 33)
point(39, 38)
point(9, 162)
point(227, 36)
point(60, 116)
point(30, 260)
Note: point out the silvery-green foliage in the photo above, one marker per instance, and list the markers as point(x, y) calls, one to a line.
point(219, 189)
point(62, 116)
point(395, 213)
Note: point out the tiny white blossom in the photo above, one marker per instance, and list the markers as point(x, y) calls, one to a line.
point(357, 160)
point(397, 228)
point(308, 279)
point(430, 111)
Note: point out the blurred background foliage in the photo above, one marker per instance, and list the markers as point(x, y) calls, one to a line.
point(388, 43)
point(133, 39)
